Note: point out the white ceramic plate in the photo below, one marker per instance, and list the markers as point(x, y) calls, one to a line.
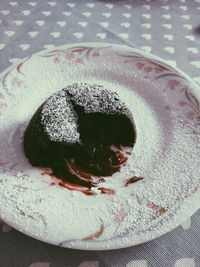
point(165, 105)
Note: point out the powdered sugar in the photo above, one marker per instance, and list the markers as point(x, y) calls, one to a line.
point(166, 155)
point(59, 117)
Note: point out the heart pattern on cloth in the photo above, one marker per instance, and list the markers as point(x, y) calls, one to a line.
point(194, 50)
point(55, 34)
point(51, 3)
point(166, 16)
point(183, 8)
point(18, 22)
point(170, 49)
point(101, 35)
point(32, 3)
point(87, 14)
point(107, 15)
point(13, 3)
point(126, 15)
point(90, 5)
point(169, 37)
point(124, 35)
point(188, 26)
point(61, 23)
point(71, 4)
point(104, 24)
point(78, 35)
point(5, 12)
point(26, 12)
point(185, 262)
point(165, 7)
point(147, 36)
point(32, 34)
point(190, 37)
point(2, 46)
point(147, 16)
point(137, 263)
point(146, 25)
point(83, 23)
point(9, 33)
point(66, 13)
point(46, 13)
point(187, 17)
point(40, 22)
point(128, 6)
point(168, 26)
point(24, 46)
point(148, 7)
point(125, 24)
point(109, 5)
point(196, 64)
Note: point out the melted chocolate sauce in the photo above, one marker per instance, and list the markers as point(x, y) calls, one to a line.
point(73, 177)
point(133, 180)
point(68, 185)
point(101, 151)
point(107, 191)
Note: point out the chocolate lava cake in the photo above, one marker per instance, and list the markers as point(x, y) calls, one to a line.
point(80, 132)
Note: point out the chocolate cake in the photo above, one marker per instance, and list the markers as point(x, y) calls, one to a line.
point(81, 133)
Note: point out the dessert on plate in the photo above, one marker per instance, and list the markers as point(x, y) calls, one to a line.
point(102, 165)
point(83, 133)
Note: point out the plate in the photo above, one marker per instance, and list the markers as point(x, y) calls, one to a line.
point(163, 170)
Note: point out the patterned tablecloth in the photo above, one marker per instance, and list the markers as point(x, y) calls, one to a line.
point(167, 28)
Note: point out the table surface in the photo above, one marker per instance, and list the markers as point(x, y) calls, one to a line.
point(169, 29)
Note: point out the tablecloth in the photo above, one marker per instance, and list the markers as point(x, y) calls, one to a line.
point(167, 28)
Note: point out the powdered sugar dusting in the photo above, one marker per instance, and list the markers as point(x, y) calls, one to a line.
point(166, 154)
point(59, 117)
point(95, 98)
